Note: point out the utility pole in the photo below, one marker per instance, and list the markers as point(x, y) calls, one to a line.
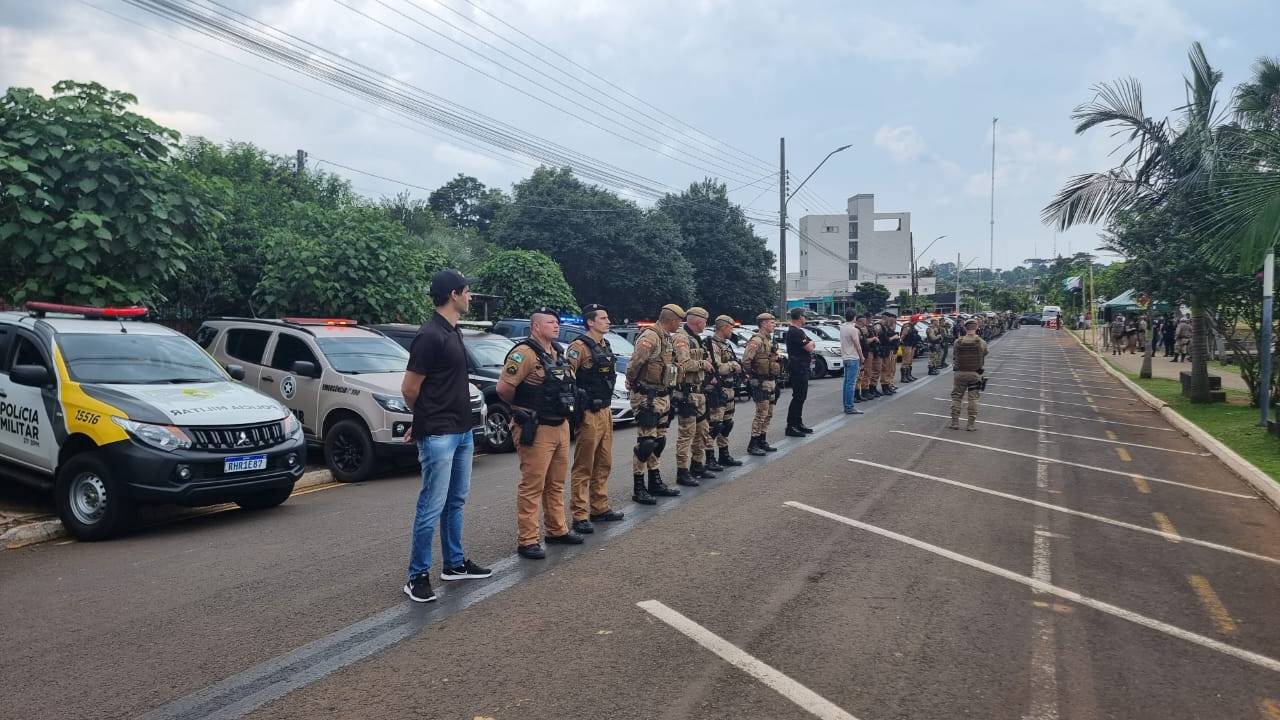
point(782, 227)
point(915, 290)
point(302, 162)
point(958, 271)
point(1264, 351)
point(992, 257)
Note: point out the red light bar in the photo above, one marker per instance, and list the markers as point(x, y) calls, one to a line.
point(319, 321)
point(87, 310)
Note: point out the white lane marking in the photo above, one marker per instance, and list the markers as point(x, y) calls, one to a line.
point(1095, 468)
point(1044, 367)
point(1055, 383)
point(1171, 536)
point(1206, 642)
point(1044, 663)
point(1001, 383)
point(1054, 376)
point(1064, 402)
point(1081, 437)
point(1070, 417)
point(802, 696)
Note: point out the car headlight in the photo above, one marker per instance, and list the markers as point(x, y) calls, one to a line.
point(162, 437)
point(292, 427)
point(621, 395)
point(392, 403)
point(830, 352)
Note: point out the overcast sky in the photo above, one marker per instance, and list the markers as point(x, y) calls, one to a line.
point(913, 86)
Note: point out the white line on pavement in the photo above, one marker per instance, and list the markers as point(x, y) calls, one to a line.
point(1044, 662)
point(1077, 513)
point(1113, 610)
point(1081, 437)
point(1040, 368)
point(807, 699)
point(1095, 468)
point(1063, 402)
point(1069, 417)
point(1000, 383)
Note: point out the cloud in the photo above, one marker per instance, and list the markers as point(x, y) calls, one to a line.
point(903, 143)
point(1023, 162)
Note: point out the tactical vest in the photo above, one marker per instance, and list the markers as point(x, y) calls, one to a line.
point(554, 399)
point(763, 365)
point(721, 353)
point(696, 354)
point(968, 355)
point(659, 369)
point(597, 381)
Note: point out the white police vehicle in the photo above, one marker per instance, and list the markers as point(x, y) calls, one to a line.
point(109, 411)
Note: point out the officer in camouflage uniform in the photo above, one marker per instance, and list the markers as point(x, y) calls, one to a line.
point(726, 370)
point(690, 401)
point(763, 365)
point(651, 378)
point(936, 336)
point(970, 352)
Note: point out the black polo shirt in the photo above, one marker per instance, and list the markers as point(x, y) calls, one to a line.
point(796, 354)
point(443, 406)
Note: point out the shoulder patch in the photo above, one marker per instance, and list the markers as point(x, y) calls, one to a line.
point(645, 343)
point(572, 353)
point(517, 357)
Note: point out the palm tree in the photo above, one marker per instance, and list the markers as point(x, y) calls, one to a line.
point(1164, 160)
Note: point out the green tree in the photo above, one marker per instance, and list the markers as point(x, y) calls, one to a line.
point(465, 203)
point(611, 252)
point(524, 280)
point(732, 267)
point(91, 207)
point(871, 297)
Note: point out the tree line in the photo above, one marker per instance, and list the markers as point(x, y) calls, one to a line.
point(101, 205)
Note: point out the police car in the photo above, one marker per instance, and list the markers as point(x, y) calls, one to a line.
point(109, 412)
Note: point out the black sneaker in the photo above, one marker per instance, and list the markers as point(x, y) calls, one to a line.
point(533, 551)
point(583, 527)
point(419, 589)
point(569, 538)
point(466, 571)
point(607, 516)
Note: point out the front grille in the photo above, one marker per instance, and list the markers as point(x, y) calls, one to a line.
point(476, 420)
point(248, 437)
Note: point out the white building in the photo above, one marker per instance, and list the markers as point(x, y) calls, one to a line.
point(839, 251)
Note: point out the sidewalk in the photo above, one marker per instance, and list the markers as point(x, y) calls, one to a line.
point(1162, 367)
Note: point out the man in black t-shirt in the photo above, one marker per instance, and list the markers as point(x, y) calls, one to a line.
point(436, 387)
point(799, 352)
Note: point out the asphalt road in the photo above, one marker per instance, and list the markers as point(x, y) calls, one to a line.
point(1073, 558)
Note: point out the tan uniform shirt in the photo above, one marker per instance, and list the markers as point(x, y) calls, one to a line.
point(522, 366)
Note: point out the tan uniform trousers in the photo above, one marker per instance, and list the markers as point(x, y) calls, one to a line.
point(965, 382)
point(908, 356)
point(693, 430)
point(662, 406)
point(886, 368)
point(867, 371)
point(543, 467)
point(764, 409)
point(717, 417)
point(592, 461)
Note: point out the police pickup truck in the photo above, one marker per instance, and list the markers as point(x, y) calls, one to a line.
point(110, 411)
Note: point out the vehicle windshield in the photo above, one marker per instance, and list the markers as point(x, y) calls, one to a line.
point(826, 333)
point(135, 359)
point(490, 351)
point(620, 345)
point(357, 355)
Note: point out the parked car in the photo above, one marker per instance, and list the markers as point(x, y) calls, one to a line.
point(827, 358)
point(1030, 318)
point(109, 411)
point(341, 380)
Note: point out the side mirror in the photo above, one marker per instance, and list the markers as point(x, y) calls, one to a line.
point(30, 375)
point(235, 371)
point(305, 368)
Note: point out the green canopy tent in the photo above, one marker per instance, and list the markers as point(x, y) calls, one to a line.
point(1127, 302)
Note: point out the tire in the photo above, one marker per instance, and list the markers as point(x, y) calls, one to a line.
point(819, 368)
point(92, 504)
point(348, 451)
point(497, 429)
point(265, 499)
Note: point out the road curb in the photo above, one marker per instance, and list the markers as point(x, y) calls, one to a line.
point(1247, 471)
point(45, 530)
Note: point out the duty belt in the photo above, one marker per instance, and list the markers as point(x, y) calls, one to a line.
point(652, 390)
point(690, 388)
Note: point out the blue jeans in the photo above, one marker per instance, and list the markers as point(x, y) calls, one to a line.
point(446, 480)
point(851, 368)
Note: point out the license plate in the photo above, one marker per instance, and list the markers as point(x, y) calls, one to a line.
point(244, 463)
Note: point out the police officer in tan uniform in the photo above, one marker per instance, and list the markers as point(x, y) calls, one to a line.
point(651, 378)
point(763, 364)
point(727, 370)
point(539, 385)
point(593, 364)
point(690, 401)
point(969, 354)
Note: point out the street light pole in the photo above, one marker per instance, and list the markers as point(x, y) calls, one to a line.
point(1264, 351)
point(783, 199)
point(915, 260)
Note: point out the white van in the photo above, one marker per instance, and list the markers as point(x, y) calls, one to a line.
point(1051, 316)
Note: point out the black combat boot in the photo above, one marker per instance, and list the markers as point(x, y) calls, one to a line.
point(764, 445)
point(711, 463)
point(728, 460)
point(639, 493)
point(794, 432)
point(657, 488)
point(753, 448)
point(700, 471)
point(902, 375)
point(685, 478)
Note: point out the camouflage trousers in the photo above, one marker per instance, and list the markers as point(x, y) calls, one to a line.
point(662, 407)
point(693, 432)
point(935, 356)
point(717, 417)
point(965, 382)
point(764, 409)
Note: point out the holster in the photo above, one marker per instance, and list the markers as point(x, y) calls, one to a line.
point(528, 422)
point(758, 392)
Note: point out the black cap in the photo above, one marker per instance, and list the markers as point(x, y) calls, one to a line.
point(593, 307)
point(544, 310)
point(797, 313)
point(448, 281)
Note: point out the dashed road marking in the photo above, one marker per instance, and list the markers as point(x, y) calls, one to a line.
point(1111, 438)
point(1089, 404)
point(1108, 471)
point(1086, 393)
point(1070, 511)
point(1213, 605)
point(1069, 417)
point(1249, 656)
point(1124, 455)
point(1141, 483)
point(1166, 526)
point(1111, 435)
point(802, 696)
